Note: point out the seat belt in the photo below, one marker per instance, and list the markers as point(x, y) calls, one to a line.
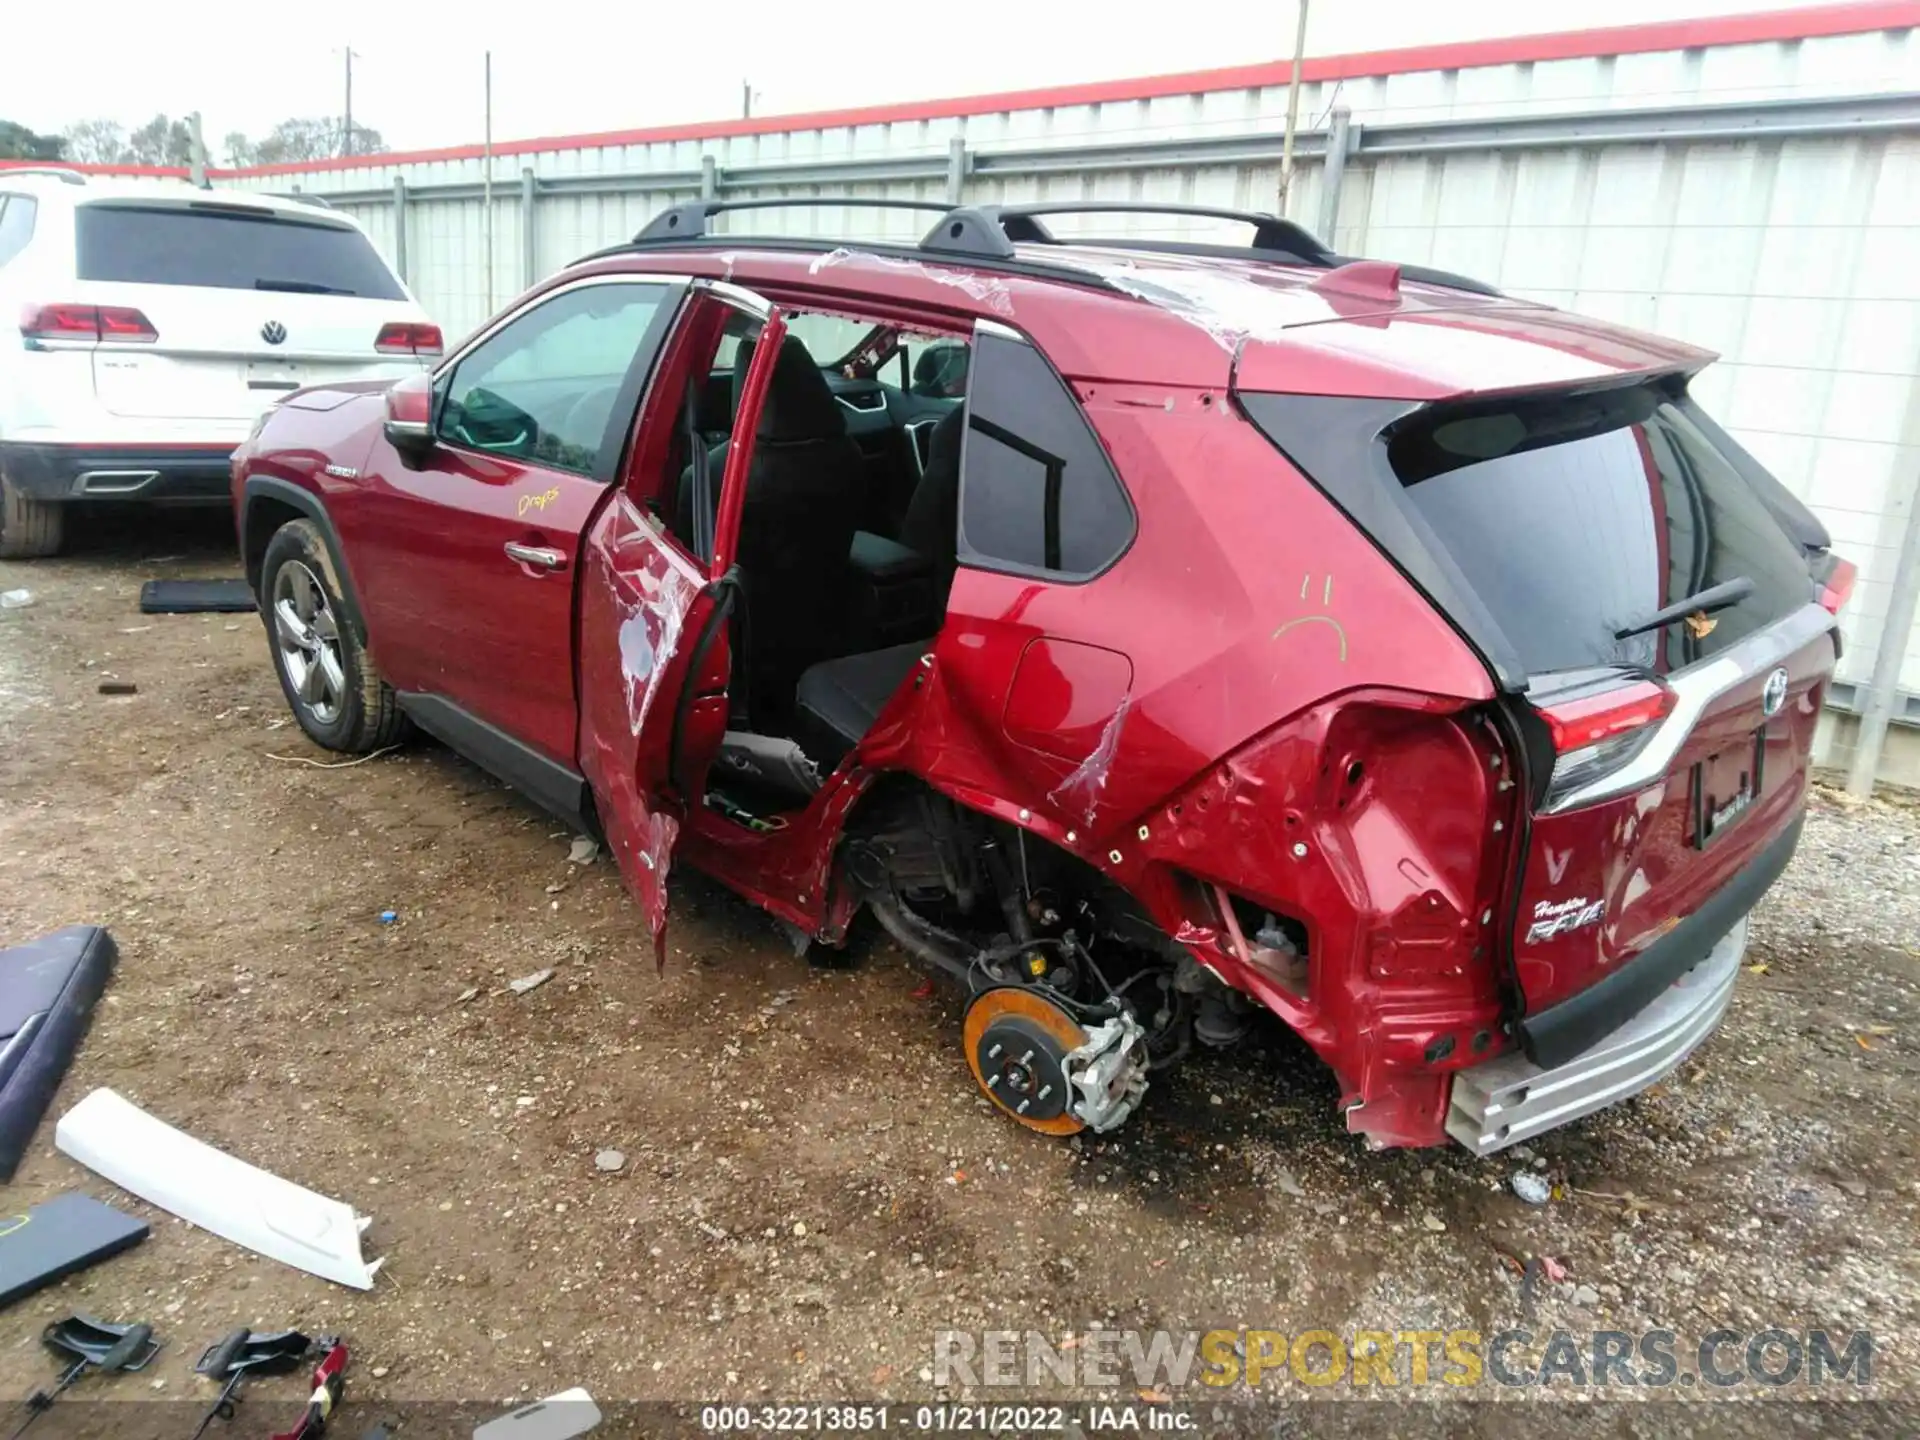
point(705, 502)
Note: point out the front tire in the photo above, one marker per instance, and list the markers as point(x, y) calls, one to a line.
point(329, 679)
point(30, 529)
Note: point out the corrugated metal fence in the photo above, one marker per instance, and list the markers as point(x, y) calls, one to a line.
point(1761, 199)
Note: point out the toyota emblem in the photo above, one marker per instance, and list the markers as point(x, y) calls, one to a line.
point(273, 332)
point(1773, 695)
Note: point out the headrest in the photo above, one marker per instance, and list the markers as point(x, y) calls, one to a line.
point(800, 404)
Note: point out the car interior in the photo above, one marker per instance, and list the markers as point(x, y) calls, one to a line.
point(848, 534)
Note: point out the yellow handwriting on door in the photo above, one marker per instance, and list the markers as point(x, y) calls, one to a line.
point(539, 502)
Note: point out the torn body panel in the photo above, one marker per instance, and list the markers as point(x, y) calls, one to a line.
point(638, 597)
point(1080, 792)
point(1379, 825)
point(1221, 653)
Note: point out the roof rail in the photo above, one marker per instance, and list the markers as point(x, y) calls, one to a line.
point(59, 172)
point(994, 230)
point(992, 233)
point(689, 222)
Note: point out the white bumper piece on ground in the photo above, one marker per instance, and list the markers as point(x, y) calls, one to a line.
point(210, 1188)
point(1511, 1099)
point(558, 1417)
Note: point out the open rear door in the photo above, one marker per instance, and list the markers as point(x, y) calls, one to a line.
point(654, 657)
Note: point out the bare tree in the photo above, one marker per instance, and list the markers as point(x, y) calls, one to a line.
point(295, 141)
point(97, 142)
point(165, 141)
point(161, 141)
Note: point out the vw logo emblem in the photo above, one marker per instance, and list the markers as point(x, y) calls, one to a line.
point(273, 332)
point(1773, 694)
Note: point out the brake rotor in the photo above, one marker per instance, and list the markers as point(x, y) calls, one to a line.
point(1017, 1045)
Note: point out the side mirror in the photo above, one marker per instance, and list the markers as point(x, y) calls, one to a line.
point(409, 425)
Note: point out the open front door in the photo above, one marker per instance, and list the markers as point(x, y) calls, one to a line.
point(654, 644)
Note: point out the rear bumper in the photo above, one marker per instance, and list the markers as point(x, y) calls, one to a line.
point(176, 474)
point(1512, 1099)
point(1557, 1034)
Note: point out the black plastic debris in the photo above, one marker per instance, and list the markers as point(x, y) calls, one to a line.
point(245, 1353)
point(51, 1241)
point(84, 1344)
point(47, 992)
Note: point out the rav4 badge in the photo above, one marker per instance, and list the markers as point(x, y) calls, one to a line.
point(1552, 918)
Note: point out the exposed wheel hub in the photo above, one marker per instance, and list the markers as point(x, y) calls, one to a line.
point(1048, 1071)
point(1020, 1063)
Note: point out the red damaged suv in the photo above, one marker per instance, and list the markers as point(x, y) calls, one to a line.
point(1144, 632)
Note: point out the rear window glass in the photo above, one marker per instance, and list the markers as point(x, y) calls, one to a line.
point(155, 245)
point(1575, 517)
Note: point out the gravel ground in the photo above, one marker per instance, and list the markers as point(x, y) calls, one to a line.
point(809, 1187)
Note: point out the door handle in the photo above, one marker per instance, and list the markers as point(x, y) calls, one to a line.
point(542, 557)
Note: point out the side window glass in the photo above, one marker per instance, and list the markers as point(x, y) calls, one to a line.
point(16, 225)
point(1036, 491)
point(543, 387)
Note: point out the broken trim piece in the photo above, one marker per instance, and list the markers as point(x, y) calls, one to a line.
point(210, 1188)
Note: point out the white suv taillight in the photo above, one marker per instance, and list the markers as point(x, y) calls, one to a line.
point(1594, 734)
point(409, 338)
point(120, 323)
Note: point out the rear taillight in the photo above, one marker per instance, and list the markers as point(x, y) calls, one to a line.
point(409, 338)
point(1576, 724)
point(1835, 578)
point(1596, 733)
point(119, 323)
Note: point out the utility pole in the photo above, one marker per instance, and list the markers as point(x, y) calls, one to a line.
point(746, 99)
point(486, 180)
point(196, 153)
point(1293, 108)
point(346, 128)
point(1880, 696)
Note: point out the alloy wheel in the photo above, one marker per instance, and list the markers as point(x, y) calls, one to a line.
point(309, 639)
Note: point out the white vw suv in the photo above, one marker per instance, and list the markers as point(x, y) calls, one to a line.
point(156, 321)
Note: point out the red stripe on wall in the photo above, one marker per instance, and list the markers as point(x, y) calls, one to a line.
point(1811, 22)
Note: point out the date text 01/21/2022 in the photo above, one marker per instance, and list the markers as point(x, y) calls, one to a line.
point(938, 1419)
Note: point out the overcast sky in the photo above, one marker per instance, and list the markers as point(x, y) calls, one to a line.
point(560, 70)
